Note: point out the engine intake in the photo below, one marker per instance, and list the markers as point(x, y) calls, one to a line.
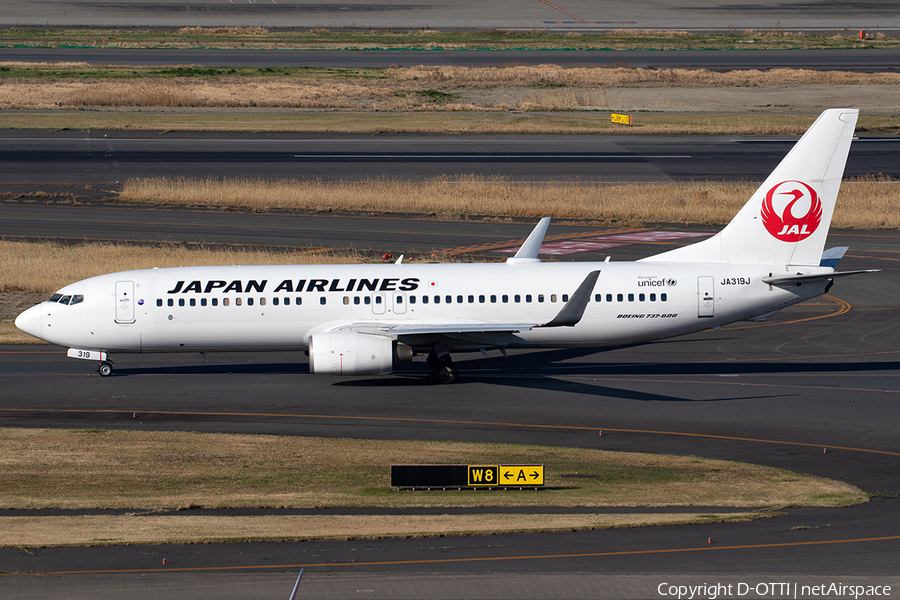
point(353, 353)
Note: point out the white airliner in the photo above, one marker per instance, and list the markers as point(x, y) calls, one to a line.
point(368, 319)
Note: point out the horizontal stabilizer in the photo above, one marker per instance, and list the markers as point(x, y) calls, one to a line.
point(789, 279)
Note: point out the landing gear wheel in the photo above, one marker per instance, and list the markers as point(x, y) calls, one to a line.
point(442, 368)
point(447, 373)
point(105, 369)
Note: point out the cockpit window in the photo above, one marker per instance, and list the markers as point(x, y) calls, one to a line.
point(76, 299)
point(64, 299)
point(54, 298)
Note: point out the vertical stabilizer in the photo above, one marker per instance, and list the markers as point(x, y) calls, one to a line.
point(787, 218)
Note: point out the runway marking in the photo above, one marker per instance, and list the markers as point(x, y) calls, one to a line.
point(742, 383)
point(844, 308)
point(549, 238)
point(129, 414)
point(475, 559)
point(579, 19)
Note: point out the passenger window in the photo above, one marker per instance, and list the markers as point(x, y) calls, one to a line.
point(620, 298)
point(347, 300)
point(287, 301)
point(399, 300)
point(298, 300)
point(437, 299)
point(471, 299)
point(262, 301)
point(481, 298)
point(598, 297)
point(652, 297)
point(552, 297)
point(181, 302)
point(368, 300)
point(225, 301)
point(540, 297)
point(424, 299)
point(631, 297)
point(641, 297)
point(459, 299)
point(504, 298)
point(493, 299)
point(238, 301)
point(275, 301)
point(448, 299)
point(412, 299)
point(159, 301)
point(565, 297)
point(215, 301)
point(202, 301)
point(249, 301)
point(517, 298)
point(322, 300)
point(609, 297)
point(193, 302)
point(377, 299)
point(663, 297)
point(527, 297)
point(355, 299)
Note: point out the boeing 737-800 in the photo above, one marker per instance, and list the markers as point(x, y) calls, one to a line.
point(368, 319)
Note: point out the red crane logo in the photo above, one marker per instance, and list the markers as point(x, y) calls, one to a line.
point(791, 197)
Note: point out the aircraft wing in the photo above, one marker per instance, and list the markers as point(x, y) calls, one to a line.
point(442, 328)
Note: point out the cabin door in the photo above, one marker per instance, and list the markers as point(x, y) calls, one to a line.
point(124, 302)
point(706, 297)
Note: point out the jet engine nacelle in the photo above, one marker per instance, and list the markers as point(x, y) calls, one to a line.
point(354, 353)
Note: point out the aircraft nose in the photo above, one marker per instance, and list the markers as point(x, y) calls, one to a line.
point(30, 321)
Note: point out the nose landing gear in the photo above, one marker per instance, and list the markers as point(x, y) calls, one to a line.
point(105, 368)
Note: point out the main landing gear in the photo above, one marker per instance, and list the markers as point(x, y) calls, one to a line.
point(105, 368)
point(442, 368)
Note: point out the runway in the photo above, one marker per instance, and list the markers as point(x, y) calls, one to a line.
point(45, 160)
point(571, 15)
point(814, 391)
point(874, 60)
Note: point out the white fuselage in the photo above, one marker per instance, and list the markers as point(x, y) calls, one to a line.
point(199, 309)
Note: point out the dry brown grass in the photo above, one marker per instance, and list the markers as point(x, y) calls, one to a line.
point(45, 267)
point(166, 470)
point(224, 30)
point(41, 532)
point(402, 88)
point(862, 204)
point(521, 76)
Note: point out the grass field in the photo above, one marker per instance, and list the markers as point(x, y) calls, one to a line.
point(165, 471)
point(872, 203)
point(774, 37)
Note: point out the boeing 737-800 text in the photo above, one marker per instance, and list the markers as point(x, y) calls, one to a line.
point(368, 319)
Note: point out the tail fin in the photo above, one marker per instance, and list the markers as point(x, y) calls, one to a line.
point(787, 218)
